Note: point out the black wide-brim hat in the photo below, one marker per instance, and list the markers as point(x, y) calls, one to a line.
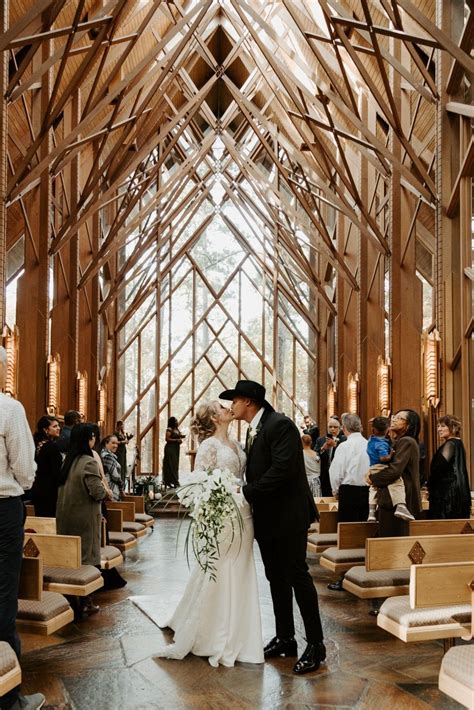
point(249, 389)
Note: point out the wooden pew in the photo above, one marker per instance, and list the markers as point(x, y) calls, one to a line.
point(40, 612)
point(10, 671)
point(352, 536)
point(326, 536)
point(388, 561)
point(110, 556)
point(45, 526)
point(117, 537)
point(141, 516)
point(128, 519)
point(63, 570)
point(438, 605)
point(350, 547)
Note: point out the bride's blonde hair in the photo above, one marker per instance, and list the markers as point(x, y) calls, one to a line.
point(202, 425)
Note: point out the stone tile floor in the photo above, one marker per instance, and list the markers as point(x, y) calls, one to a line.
point(107, 661)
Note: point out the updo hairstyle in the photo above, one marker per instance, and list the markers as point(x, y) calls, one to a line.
point(202, 425)
point(453, 423)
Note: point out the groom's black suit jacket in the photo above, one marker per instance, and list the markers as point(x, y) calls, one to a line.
point(277, 486)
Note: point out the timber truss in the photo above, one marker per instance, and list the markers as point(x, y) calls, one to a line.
point(123, 120)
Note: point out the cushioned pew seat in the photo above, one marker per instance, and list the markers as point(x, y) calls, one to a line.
point(144, 519)
point(341, 560)
point(81, 581)
point(376, 584)
point(110, 557)
point(10, 673)
point(321, 541)
point(136, 529)
point(45, 616)
point(398, 618)
point(122, 540)
point(456, 676)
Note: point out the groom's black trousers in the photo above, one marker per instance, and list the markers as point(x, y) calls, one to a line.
point(285, 565)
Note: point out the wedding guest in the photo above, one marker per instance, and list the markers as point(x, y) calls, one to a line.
point(111, 465)
point(121, 453)
point(81, 491)
point(404, 429)
point(448, 483)
point(312, 466)
point(325, 448)
point(312, 429)
point(347, 474)
point(174, 439)
point(17, 472)
point(48, 457)
point(348, 470)
point(71, 418)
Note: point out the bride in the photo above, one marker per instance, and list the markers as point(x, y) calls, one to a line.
point(220, 619)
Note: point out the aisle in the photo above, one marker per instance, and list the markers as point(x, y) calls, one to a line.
point(107, 661)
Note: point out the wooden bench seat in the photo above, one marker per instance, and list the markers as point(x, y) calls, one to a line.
point(350, 547)
point(438, 606)
point(63, 568)
point(10, 671)
point(46, 526)
point(128, 517)
point(40, 612)
point(141, 516)
point(456, 676)
point(395, 554)
point(117, 537)
point(326, 534)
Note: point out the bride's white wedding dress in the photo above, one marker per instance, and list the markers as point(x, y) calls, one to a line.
point(221, 619)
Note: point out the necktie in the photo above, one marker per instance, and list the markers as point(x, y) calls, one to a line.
point(247, 442)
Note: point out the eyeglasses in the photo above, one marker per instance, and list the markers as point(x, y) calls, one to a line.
point(399, 416)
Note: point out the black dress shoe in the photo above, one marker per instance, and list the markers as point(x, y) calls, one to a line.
point(336, 586)
point(313, 656)
point(280, 647)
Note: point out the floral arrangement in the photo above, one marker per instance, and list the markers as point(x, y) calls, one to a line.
point(212, 505)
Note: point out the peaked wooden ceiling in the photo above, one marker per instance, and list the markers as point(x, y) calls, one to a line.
point(283, 85)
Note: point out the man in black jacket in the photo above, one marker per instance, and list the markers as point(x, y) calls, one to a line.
point(283, 509)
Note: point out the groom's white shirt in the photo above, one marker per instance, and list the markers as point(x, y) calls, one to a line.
point(256, 421)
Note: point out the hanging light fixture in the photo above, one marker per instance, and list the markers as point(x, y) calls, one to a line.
point(54, 378)
point(11, 339)
point(383, 386)
point(431, 357)
point(353, 393)
point(331, 400)
point(82, 393)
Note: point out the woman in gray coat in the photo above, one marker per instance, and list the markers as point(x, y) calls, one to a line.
point(78, 510)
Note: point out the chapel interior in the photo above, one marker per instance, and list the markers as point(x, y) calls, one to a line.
point(195, 192)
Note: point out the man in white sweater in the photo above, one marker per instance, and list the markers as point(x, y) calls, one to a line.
point(17, 473)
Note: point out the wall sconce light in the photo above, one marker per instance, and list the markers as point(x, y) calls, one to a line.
point(102, 404)
point(54, 378)
point(431, 357)
point(331, 400)
point(353, 393)
point(82, 393)
point(11, 338)
point(383, 386)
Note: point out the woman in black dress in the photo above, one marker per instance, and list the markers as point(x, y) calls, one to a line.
point(44, 492)
point(448, 483)
point(174, 439)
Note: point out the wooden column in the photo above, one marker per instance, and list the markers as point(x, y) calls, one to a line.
point(405, 287)
point(64, 322)
point(347, 312)
point(32, 294)
point(4, 8)
point(371, 279)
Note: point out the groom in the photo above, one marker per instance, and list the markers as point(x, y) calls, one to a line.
point(283, 509)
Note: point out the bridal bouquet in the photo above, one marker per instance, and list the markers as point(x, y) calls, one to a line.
point(212, 506)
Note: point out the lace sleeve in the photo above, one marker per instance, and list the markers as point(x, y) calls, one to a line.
point(448, 450)
point(206, 456)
